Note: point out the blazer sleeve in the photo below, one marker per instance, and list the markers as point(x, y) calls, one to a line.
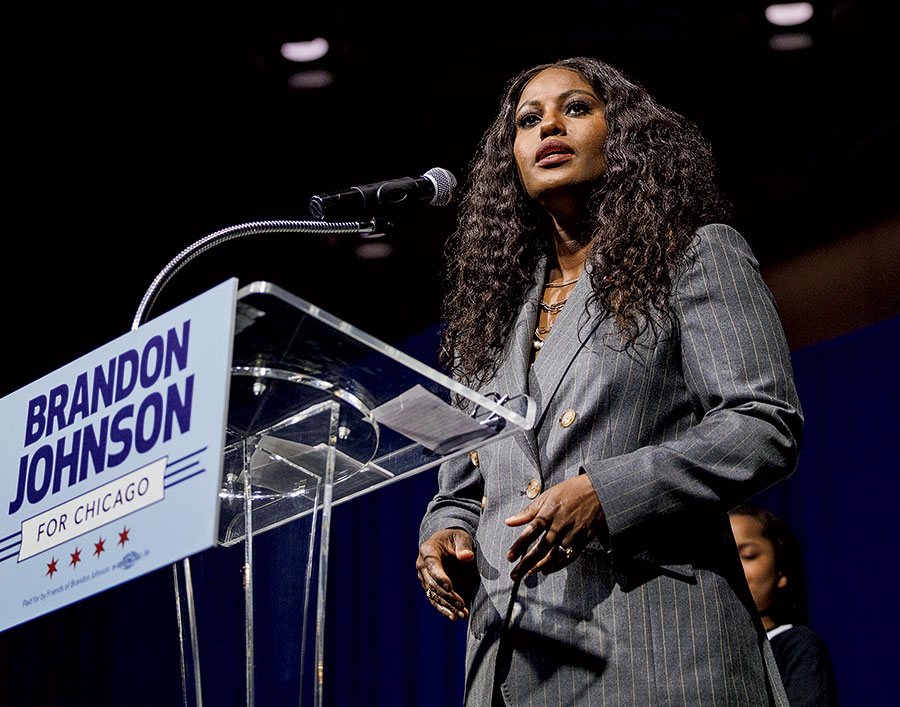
point(736, 365)
point(457, 503)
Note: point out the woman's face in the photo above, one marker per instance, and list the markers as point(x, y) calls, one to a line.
point(560, 133)
point(758, 557)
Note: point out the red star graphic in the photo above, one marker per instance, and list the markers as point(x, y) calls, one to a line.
point(76, 557)
point(123, 537)
point(98, 547)
point(51, 567)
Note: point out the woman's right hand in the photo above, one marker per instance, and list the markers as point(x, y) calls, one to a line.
point(438, 559)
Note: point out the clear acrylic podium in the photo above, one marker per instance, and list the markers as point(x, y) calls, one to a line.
point(320, 413)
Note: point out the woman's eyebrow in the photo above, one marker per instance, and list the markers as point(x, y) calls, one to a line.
point(562, 96)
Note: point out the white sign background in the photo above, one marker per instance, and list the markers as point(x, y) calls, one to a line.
point(124, 534)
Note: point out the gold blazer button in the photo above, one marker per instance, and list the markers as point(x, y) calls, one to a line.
point(568, 417)
point(474, 457)
point(533, 488)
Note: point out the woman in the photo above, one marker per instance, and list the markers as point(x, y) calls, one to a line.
point(773, 566)
point(592, 555)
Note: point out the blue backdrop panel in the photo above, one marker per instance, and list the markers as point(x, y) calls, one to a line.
point(842, 504)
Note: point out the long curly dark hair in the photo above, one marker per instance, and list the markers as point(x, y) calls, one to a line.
point(659, 186)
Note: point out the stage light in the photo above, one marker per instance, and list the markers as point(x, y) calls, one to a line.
point(789, 14)
point(305, 51)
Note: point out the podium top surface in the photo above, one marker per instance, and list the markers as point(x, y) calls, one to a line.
point(315, 401)
point(301, 336)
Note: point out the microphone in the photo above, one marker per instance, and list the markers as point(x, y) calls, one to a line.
point(436, 186)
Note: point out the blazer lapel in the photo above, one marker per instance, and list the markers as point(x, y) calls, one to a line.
point(573, 327)
point(512, 375)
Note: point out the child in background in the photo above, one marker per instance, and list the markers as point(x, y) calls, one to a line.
point(773, 566)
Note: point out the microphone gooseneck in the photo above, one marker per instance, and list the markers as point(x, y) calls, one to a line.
point(239, 231)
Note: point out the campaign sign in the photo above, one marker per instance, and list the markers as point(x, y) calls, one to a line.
point(110, 466)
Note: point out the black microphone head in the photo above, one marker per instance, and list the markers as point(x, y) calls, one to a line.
point(444, 185)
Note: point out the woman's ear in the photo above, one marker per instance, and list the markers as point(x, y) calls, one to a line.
point(782, 581)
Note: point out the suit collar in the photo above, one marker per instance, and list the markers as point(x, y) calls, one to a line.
point(571, 330)
point(512, 375)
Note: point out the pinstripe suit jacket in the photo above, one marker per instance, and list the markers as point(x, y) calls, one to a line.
point(672, 433)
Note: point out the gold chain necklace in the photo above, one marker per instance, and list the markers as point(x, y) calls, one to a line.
point(563, 284)
point(540, 333)
point(554, 308)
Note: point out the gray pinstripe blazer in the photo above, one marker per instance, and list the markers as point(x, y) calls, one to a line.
point(672, 433)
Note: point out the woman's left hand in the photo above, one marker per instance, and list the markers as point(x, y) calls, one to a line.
point(562, 520)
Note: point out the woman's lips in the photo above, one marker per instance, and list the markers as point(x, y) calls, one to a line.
point(552, 152)
point(555, 158)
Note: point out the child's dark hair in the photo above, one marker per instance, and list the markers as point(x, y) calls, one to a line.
point(789, 603)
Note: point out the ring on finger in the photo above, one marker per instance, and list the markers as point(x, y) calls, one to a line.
point(567, 552)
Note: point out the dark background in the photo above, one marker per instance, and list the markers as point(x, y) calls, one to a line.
point(136, 129)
